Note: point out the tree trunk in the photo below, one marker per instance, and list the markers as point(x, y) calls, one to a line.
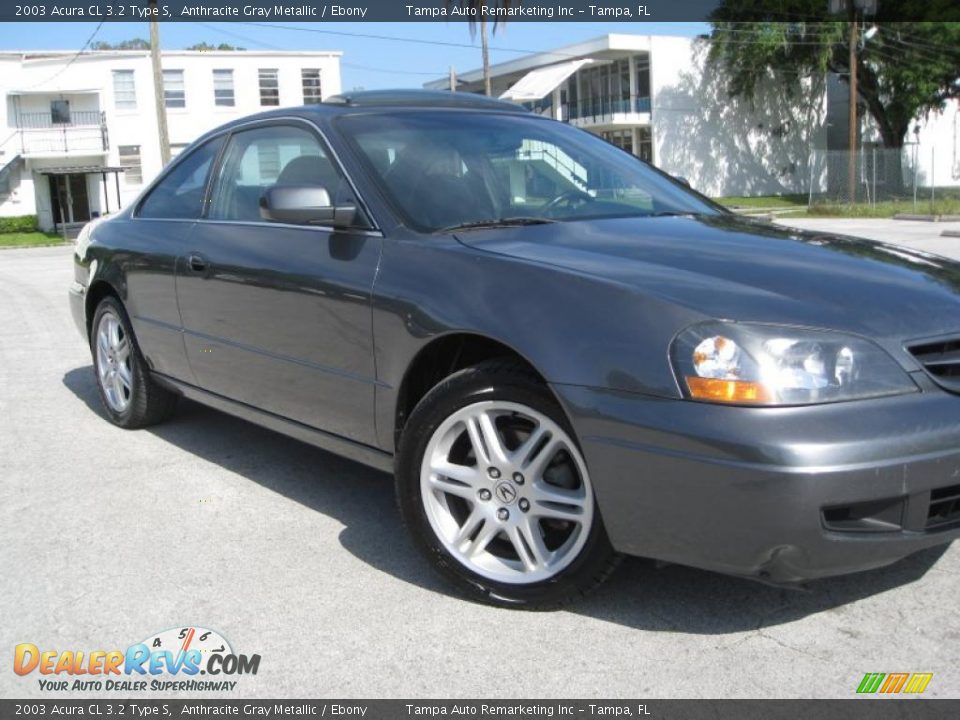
point(890, 181)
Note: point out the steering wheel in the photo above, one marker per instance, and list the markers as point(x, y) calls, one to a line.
point(568, 197)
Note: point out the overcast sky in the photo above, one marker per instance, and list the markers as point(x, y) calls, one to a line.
point(368, 62)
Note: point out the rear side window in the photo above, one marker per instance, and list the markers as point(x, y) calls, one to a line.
point(179, 196)
point(274, 155)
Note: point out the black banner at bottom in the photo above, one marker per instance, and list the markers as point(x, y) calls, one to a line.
point(855, 709)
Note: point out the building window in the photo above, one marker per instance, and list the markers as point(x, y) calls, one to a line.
point(124, 90)
point(644, 144)
point(643, 76)
point(623, 139)
point(130, 162)
point(60, 112)
point(268, 158)
point(223, 88)
point(173, 92)
point(311, 86)
point(269, 87)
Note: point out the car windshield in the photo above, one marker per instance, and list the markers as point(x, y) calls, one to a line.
point(446, 171)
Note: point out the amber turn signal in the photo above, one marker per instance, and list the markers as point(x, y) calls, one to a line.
point(728, 391)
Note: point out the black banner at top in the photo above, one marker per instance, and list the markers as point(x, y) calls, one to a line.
point(509, 11)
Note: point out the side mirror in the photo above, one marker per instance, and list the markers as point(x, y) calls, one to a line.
point(682, 180)
point(304, 205)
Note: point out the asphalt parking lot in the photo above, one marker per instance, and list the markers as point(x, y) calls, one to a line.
point(108, 536)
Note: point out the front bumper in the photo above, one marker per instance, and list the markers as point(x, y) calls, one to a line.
point(780, 494)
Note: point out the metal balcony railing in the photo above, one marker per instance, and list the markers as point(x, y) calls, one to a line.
point(46, 120)
point(39, 133)
point(606, 108)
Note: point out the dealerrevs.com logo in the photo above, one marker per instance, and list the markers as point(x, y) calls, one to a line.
point(182, 653)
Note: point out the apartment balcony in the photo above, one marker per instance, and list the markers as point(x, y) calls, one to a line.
point(42, 134)
point(609, 112)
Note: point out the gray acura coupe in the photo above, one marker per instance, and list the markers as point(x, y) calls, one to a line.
point(562, 354)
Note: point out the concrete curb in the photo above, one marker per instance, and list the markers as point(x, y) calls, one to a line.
point(927, 218)
point(43, 245)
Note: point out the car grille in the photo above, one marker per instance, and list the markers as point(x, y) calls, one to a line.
point(942, 360)
point(944, 507)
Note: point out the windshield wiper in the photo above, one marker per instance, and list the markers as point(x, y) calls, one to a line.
point(498, 222)
point(671, 213)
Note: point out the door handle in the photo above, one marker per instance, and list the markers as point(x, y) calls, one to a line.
point(198, 263)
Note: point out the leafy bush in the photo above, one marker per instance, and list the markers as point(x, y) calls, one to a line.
point(18, 224)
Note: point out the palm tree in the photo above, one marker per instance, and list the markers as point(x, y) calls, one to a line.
point(474, 6)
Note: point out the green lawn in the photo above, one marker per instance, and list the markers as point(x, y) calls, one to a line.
point(792, 206)
point(764, 201)
point(30, 239)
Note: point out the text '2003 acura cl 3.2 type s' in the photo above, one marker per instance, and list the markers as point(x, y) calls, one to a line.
point(563, 354)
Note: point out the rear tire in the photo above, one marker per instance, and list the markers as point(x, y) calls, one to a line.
point(494, 488)
point(130, 397)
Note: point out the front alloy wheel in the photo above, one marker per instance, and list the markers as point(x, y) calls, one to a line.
point(496, 491)
point(507, 492)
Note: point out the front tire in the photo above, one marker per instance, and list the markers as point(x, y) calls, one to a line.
point(496, 492)
point(129, 395)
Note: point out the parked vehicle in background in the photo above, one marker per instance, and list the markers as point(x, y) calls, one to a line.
point(561, 353)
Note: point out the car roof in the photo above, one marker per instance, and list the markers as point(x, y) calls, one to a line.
point(421, 98)
point(347, 103)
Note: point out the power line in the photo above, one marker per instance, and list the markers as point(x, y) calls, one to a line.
point(929, 54)
point(418, 41)
point(355, 66)
point(925, 44)
point(72, 59)
point(238, 36)
point(388, 70)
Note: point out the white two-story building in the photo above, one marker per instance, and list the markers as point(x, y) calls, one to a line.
point(78, 134)
point(659, 98)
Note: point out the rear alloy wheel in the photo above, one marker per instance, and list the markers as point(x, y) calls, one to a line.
point(113, 362)
point(498, 492)
point(131, 398)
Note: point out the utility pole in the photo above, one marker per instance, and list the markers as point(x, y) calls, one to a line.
point(486, 57)
point(162, 131)
point(852, 130)
point(453, 79)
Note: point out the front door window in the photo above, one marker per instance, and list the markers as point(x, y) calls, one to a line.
point(69, 198)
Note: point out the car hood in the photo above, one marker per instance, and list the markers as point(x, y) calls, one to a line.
point(739, 269)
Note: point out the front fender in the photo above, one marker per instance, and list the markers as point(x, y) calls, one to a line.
point(575, 329)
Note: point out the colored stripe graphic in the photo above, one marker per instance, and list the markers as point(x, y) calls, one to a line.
point(894, 682)
point(870, 682)
point(918, 682)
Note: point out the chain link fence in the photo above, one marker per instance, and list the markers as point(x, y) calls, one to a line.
point(916, 178)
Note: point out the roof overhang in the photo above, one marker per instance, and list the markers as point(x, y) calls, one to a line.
point(612, 45)
point(81, 170)
point(539, 83)
point(57, 91)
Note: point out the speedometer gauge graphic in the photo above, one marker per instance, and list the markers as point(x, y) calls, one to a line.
point(183, 639)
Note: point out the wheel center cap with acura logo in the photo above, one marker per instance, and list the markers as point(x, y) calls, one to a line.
point(505, 493)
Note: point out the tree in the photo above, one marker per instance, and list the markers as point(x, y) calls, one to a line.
point(132, 44)
point(905, 69)
point(204, 46)
point(477, 18)
point(141, 44)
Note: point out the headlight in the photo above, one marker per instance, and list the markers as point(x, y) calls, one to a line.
point(746, 364)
